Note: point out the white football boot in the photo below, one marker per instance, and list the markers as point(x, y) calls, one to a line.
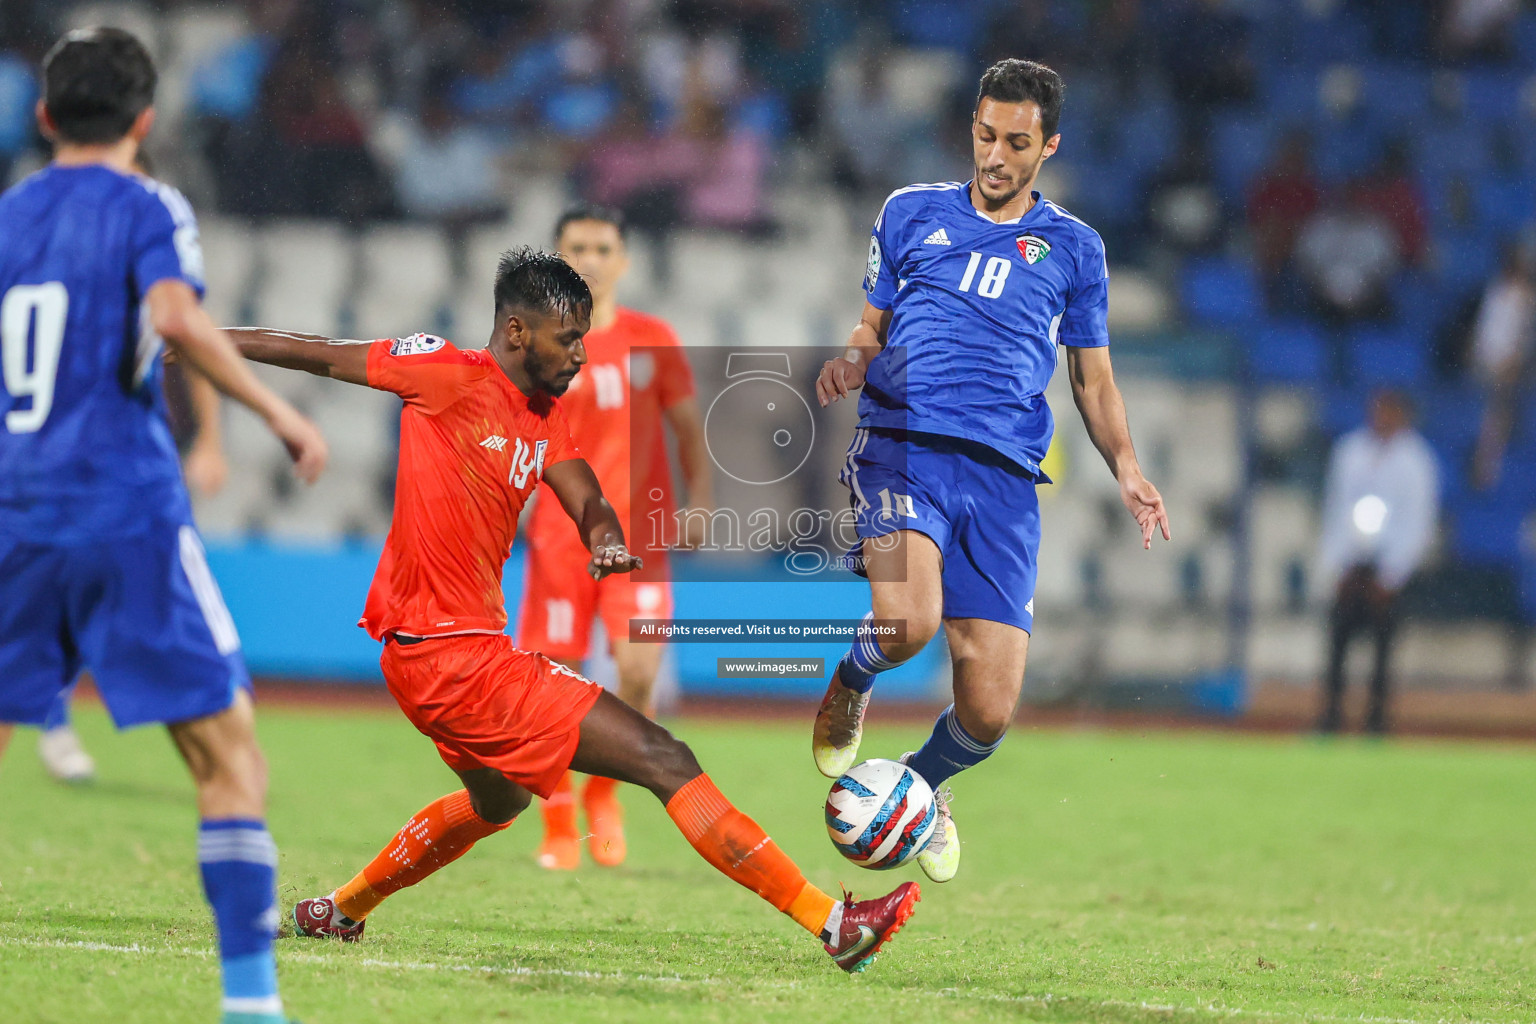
point(838, 729)
point(940, 858)
point(64, 757)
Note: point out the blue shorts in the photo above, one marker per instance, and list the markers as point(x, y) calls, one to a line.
point(975, 503)
point(142, 612)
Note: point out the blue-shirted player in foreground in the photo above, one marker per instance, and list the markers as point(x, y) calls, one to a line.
point(970, 289)
point(100, 565)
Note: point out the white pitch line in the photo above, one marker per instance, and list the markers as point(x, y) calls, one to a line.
point(1047, 1000)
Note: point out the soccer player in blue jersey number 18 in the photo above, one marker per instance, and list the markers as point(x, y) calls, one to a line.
point(971, 288)
point(100, 565)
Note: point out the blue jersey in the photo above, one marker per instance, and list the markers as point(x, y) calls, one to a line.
point(977, 310)
point(85, 449)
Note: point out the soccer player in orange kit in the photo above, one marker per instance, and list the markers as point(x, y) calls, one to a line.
point(635, 379)
point(479, 430)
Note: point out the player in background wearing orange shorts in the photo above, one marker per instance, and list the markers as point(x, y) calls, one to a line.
point(636, 378)
point(479, 430)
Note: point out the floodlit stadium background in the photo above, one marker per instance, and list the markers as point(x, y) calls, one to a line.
point(358, 165)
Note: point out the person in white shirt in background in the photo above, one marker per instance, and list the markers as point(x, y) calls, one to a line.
point(1501, 344)
point(1380, 507)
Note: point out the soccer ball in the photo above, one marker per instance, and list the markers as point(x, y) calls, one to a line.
point(880, 814)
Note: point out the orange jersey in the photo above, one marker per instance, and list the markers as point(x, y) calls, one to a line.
point(472, 449)
point(635, 370)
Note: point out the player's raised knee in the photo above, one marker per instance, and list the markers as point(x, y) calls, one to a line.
point(986, 725)
point(670, 764)
point(500, 805)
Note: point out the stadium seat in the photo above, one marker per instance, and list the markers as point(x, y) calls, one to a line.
point(1148, 138)
point(1487, 530)
point(1205, 453)
point(1241, 145)
point(775, 326)
point(1346, 149)
point(341, 503)
point(712, 269)
point(1137, 301)
point(1074, 527)
point(304, 268)
point(1464, 260)
point(1291, 351)
point(1284, 417)
point(1331, 37)
point(1459, 147)
point(1451, 415)
point(1382, 356)
point(248, 444)
point(238, 507)
point(1291, 96)
point(1490, 96)
point(1504, 202)
point(1282, 532)
point(405, 281)
point(1221, 293)
point(1395, 95)
point(1343, 410)
point(361, 426)
point(229, 260)
point(1420, 305)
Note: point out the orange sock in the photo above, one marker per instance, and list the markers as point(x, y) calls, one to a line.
point(560, 809)
point(439, 834)
point(598, 790)
point(739, 849)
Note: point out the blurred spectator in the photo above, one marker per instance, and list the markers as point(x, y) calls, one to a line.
point(864, 127)
point(1501, 346)
point(1346, 255)
point(1183, 208)
point(1380, 506)
point(788, 46)
point(1390, 191)
point(726, 169)
point(1205, 46)
point(1283, 196)
point(18, 94)
point(1029, 29)
point(1477, 29)
point(321, 147)
point(428, 40)
point(510, 74)
point(447, 170)
point(582, 100)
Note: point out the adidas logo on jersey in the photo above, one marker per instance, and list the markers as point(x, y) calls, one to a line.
point(495, 443)
point(937, 238)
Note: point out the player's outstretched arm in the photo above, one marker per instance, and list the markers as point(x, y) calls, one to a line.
point(581, 496)
point(846, 373)
point(176, 315)
point(336, 358)
point(1103, 410)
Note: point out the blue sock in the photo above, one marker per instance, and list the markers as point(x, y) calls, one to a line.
point(239, 863)
point(949, 750)
point(58, 711)
point(857, 669)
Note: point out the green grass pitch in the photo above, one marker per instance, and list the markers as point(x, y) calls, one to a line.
point(1107, 877)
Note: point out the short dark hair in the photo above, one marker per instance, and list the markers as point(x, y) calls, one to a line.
point(529, 279)
point(1025, 81)
point(96, 81)
point(590, 211)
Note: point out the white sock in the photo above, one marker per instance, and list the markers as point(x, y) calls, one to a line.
point(833, 929)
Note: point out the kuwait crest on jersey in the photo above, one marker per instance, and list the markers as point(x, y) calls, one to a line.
point(1033, 248)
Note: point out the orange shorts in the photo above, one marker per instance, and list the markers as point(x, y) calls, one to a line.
point(487, 704)
point(560, 600)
